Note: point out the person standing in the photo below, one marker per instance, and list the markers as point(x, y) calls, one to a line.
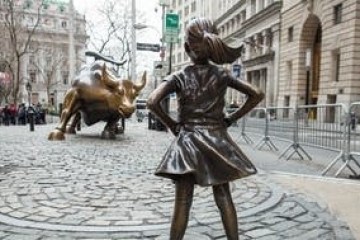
point(203, 152)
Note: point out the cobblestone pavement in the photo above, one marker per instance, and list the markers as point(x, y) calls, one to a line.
point(89, 188)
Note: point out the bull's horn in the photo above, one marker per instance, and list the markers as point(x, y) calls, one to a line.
point(141, 85)
point(106, 78)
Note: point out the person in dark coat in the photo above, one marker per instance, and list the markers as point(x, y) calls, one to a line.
point(7, 114)
point(203, 152)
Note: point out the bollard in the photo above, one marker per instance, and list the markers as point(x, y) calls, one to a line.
point(31, 118)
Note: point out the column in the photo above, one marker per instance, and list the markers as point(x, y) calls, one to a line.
point(259, 44)
point(275, 38)
point(247, 49)
point(270, 98)
point(266, 42)
point(258, 5)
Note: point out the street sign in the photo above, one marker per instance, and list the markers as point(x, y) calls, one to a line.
point(171, 38)
point(148, 47)
point(236, 69)
point(172, 22)
point(172, 27)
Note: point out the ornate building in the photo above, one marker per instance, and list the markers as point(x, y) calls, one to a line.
point(298, 51)
point(254, 21)
point(56, 50)
point(319, 52)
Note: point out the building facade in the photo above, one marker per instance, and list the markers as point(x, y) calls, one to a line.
point(254, 21)
point(298, 51)
point(319, 52)
point(55, 52)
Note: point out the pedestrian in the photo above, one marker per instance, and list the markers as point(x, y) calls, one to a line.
point(6, 114)
point(202, 152)
point(21, 114)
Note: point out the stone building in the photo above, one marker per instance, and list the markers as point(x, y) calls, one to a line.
point(297, 51)
point(319, 52)
point(254, 21)
point(56, 51)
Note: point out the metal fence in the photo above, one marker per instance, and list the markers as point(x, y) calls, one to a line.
point(333, 127)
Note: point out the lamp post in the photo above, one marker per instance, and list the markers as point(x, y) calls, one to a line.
point(140, 26)
point(133, 40)
point(29, 90)
point(30, 108)
point(308, 57)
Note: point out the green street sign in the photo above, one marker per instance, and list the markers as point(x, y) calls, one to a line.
point(172, 21)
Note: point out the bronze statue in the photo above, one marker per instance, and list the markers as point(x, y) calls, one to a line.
point(202, 152)
point(97, 94)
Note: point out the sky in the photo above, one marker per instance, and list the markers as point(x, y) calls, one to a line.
point(152, 17)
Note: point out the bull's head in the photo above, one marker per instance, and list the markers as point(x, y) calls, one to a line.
point(128, 91)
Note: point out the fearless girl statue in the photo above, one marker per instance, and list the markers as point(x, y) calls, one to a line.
point(202, 152)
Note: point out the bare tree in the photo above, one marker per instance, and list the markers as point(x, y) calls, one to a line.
point(111, 31)
point(54, 61)
point(21, 21)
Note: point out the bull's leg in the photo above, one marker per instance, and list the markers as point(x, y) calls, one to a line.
point(110, 129)
point(71, 106)
point(119, 126)
point(73, 123)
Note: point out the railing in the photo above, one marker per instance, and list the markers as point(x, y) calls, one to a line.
point(333, 127)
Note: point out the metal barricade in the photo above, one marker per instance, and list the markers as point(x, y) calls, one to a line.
point(260, 119)
point(322, 125)
point(286, 125)
point(352, 142)
point(354, 129)
point(241, 123)
point(253, 122)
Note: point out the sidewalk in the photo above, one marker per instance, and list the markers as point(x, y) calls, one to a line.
point(90, 188)
point(342, 196)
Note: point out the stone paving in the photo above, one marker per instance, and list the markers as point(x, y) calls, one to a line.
point(89, 188)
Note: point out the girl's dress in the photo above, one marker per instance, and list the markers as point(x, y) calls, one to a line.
point(203, 148)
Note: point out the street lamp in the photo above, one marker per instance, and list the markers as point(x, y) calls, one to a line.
point(29, 90)
point(133, 40)
point(30, 108)
point(140, 26)
point(308, 57)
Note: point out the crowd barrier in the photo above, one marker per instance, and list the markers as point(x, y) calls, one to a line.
point(334, 127)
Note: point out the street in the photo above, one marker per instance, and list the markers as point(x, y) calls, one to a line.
point(90, 188)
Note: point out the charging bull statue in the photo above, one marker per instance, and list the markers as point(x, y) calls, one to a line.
point(97, 94)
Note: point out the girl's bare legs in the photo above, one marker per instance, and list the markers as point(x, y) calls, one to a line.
point(183, 200)
point(225, 204)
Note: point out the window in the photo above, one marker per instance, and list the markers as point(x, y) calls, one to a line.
point(261, 5)
point(65, 77)
point(338, 13)
point(186, 11)
point(243, 15)
point(286, 104)
point(193, 6)
point(174, 3)
point(290, 34)
point(253, 7)
point(336, 65)
point(32, 60)
point(63, 24)
point(32, 76)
